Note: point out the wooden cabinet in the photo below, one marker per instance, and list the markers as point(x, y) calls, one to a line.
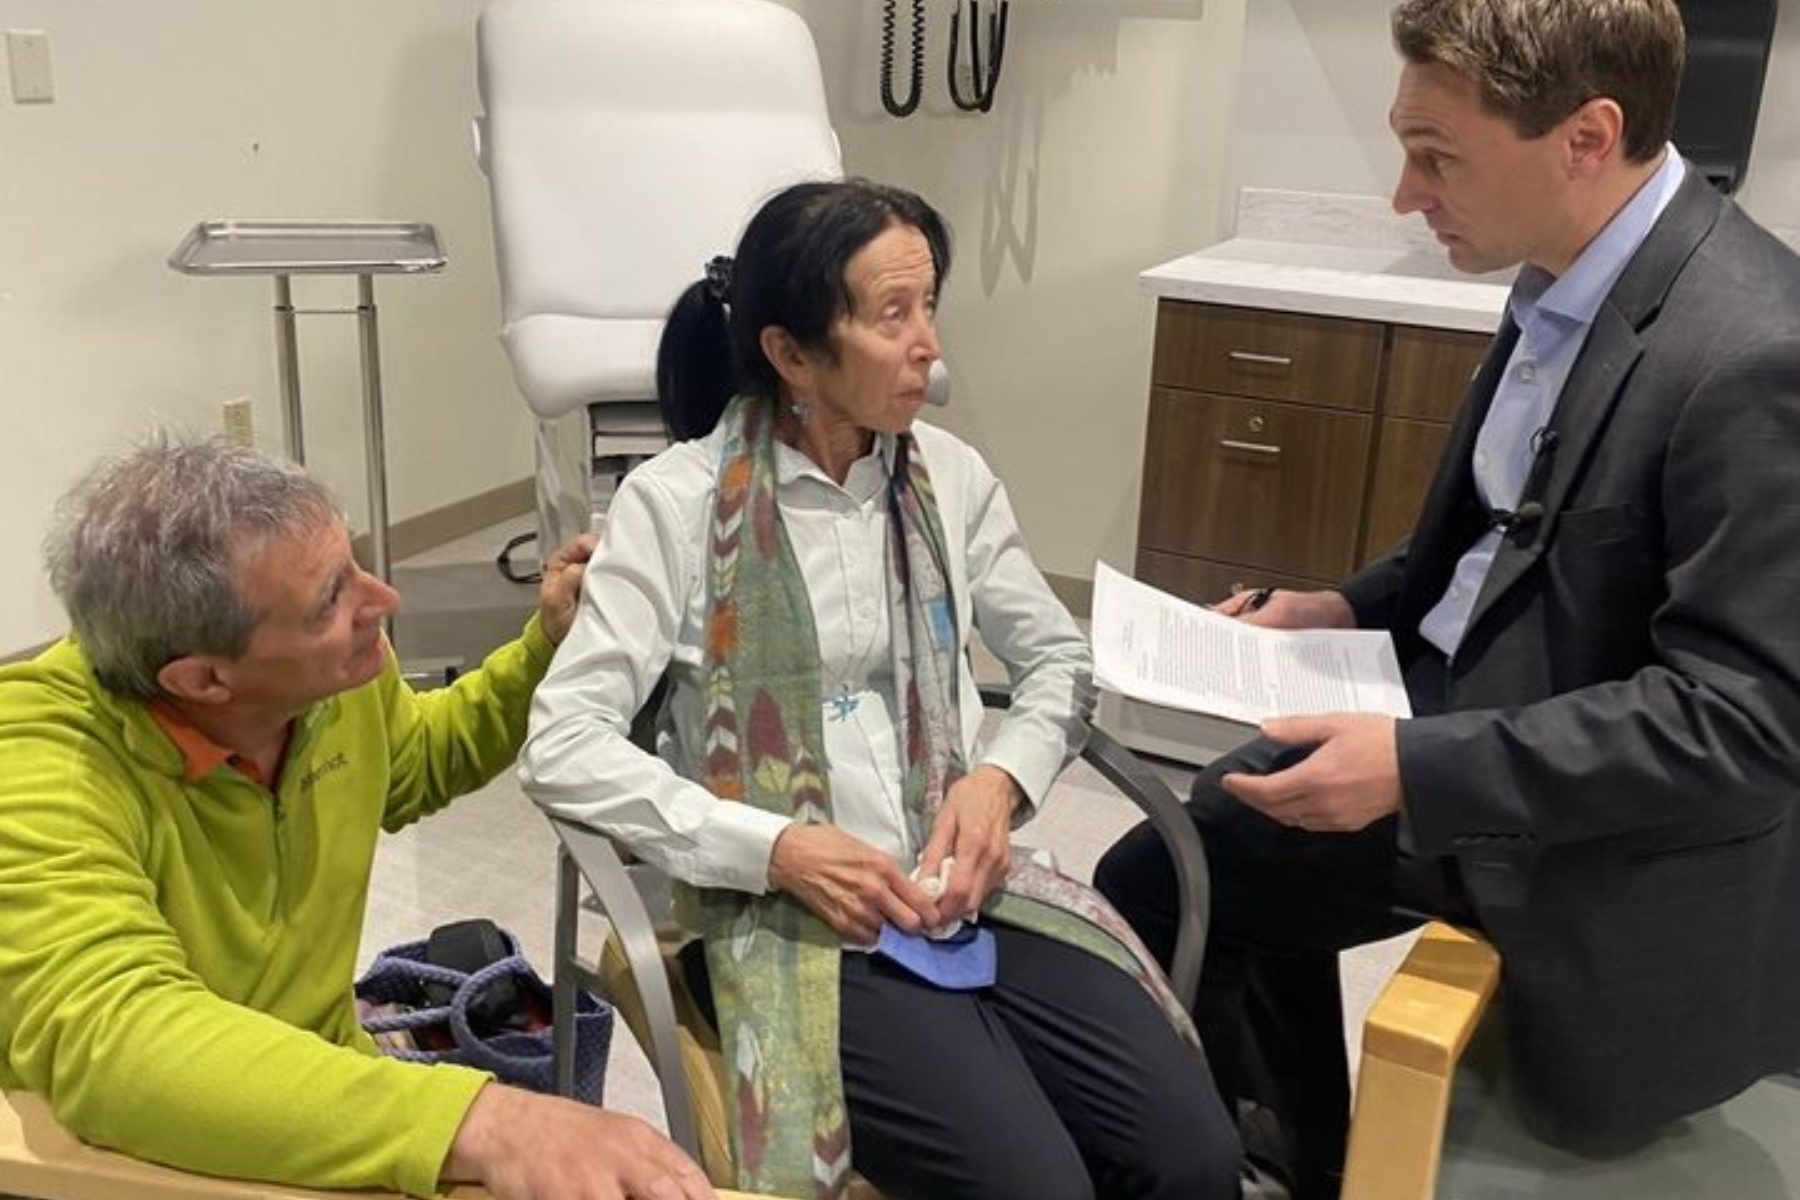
point(1288, 449)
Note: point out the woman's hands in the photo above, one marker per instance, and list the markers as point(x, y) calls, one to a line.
point(974, 827)
point(854, 888)
point(849, 884)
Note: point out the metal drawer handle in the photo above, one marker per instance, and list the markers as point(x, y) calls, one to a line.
point(1249, 447)
point(1261, 360)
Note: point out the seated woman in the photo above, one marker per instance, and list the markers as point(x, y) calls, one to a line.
point(806, 574)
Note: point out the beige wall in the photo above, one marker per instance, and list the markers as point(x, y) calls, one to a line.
point(174, 111)
point(1123, 130)
point(1317, 77)
point(1101, 158)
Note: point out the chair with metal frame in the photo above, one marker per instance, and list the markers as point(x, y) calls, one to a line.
point(638, 970)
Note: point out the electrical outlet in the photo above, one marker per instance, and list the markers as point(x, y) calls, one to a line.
point(28, 58)
point(239, 423)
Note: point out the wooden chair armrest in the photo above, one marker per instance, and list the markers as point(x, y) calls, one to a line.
point(1412, 1041)
point(42, 1160)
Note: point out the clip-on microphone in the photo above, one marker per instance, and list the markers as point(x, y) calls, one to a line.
point(937, 384)
point(1511, 522)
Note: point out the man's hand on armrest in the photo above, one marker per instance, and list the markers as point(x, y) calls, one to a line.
point(524, 1146)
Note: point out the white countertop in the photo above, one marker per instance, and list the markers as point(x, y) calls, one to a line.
point(1334, 256)
point(1399, 284)
point(1338, 256)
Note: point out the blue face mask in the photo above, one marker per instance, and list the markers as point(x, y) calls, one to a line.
point(960, 963)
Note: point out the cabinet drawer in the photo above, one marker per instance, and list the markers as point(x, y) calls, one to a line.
point(1204, 581)
point(1429, 370)
point(1271, 486)
point(1275, 356)
point(1406, 458)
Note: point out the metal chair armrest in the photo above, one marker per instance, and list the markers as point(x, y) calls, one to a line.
point(1146, 789)
point(587, 854)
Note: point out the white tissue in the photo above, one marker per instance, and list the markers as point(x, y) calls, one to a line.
point(934, 886)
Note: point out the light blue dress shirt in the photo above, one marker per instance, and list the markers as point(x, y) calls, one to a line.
point(1554, 315)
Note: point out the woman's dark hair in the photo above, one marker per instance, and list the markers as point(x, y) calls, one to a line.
point(789, 271)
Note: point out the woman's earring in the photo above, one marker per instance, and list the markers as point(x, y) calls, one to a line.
point(802, 410)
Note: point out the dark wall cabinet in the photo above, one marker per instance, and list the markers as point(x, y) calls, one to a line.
point(1286, 449)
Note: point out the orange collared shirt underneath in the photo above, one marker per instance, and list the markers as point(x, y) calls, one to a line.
point(200, 755)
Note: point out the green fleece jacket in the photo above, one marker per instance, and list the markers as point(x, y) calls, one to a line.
point(176, 958)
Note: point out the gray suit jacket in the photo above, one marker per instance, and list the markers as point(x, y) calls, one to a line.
point(1618, 766)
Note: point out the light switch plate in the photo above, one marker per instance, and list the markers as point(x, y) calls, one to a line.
point(28, 60)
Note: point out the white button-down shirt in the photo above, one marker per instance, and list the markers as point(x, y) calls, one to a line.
point(643, 613)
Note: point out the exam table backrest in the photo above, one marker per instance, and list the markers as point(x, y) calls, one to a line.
point(626, 142)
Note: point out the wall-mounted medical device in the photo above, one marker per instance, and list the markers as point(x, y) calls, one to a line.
point(977, 50)
point(1721, 89)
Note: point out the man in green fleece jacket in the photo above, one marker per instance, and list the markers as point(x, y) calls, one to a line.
point(191, 785)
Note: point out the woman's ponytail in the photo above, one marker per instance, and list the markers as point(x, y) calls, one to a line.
point(694, 376)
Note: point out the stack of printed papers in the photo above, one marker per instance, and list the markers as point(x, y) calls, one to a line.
point(1155, 647)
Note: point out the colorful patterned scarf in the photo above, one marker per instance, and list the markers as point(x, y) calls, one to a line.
point(773, 963)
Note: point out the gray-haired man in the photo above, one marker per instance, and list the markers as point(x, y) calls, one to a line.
point(193, 786)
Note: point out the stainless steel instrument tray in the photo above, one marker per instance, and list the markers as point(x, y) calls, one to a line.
point(308, 248)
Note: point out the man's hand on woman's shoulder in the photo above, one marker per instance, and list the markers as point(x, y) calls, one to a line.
point(559, 593)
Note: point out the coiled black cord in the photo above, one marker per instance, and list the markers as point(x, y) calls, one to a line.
point(889, 21)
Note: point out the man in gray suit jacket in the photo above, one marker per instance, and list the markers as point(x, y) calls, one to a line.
point(1594, 616)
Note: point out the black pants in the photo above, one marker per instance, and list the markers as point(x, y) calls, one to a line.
point(1062, 1080)
point(1284, 903)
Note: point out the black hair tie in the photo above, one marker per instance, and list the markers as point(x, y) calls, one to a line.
point(718, 278)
